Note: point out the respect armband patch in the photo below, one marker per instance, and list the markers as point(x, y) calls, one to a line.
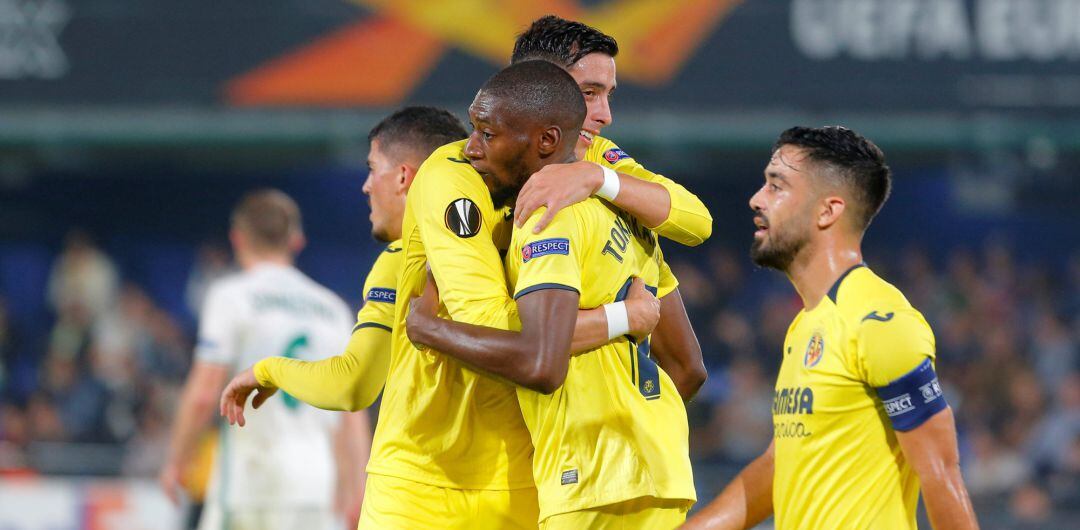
point(914, 398)
point(545, 247)
point(381, 294)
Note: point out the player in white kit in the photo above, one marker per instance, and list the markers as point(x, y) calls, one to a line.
point(293, 466)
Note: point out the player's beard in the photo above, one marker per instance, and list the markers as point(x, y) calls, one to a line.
point(777, 248)
point(506, 194)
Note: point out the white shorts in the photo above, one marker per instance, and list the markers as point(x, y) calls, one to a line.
point(215, 518)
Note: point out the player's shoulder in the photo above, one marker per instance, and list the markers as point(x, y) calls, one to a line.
point(578, 215)
point(389, 261)
point(230, 286)
point(450, 156)
point(605, 151)
point(392, 249)
point(861, 295)
point(448, 171)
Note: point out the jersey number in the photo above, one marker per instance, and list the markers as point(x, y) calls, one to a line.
point(643, 369)
point(292, 352)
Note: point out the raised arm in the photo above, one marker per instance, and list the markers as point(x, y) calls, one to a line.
point(744, 503)
point(658, 202)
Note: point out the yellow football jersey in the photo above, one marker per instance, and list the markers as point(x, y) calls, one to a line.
point(689, 221)
point(440, 422)
point(617, 428)
point(837, 461)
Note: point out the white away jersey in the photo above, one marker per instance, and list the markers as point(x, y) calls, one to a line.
point(284, 455)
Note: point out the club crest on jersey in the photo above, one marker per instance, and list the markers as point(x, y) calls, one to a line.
point(462, 217)
point(614, 155)
point(815, 349)
point(545, 247)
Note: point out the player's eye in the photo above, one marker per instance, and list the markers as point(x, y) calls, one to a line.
point(773, 186)
point(487, 135)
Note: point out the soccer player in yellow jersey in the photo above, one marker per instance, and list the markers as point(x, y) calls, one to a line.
point(608, 426)
point(860, 423)
point(604, 170)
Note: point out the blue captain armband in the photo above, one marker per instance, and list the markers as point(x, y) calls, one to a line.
point(914, 398)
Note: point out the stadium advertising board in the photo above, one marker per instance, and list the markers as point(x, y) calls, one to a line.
point(906, 55)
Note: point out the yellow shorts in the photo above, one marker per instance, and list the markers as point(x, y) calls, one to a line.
point(640, 513)
point(392, 503)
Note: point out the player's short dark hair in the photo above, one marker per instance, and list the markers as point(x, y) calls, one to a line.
point(561, 41)
point(417, 131)
point(269, 217)
point(859, 164)
point(538, 90)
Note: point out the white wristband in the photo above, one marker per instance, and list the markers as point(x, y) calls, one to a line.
point(610, 188)
point(618, 322)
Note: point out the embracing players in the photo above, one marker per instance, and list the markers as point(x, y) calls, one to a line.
point(859, 419)
point(608, 426)
point(455, 443)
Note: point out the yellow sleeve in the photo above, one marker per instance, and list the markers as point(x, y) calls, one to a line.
point(456, 219)
point(892, 343)
point(689, 221)
point(380, 291)
point(350, 381)
point(550, 259)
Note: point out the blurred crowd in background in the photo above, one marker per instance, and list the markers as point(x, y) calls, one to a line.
point(101, 381)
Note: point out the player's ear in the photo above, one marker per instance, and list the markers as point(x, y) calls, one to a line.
point(297, 242)
point(832, 207)
point(406, 174)
point(236, 238)
point(550, 138)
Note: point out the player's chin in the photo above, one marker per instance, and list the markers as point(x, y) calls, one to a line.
point(379, 233)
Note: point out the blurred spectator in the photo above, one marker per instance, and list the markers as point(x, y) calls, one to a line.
point(14, 437)
point(82, 277)
point(77, 398)
point(213, 262)
point(119, 335)
point(9, 348)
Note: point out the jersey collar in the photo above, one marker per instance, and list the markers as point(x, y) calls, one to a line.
point(836, 286)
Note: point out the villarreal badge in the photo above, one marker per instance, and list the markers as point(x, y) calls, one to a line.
point(814, 350)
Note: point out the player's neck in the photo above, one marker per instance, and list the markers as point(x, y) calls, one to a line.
point(249, 261)
point(819, 266)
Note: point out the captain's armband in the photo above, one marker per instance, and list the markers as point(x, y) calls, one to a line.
point(914, 398)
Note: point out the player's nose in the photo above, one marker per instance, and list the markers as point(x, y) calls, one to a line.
point(472, 149)
point(602, 114)
point(756, 204)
